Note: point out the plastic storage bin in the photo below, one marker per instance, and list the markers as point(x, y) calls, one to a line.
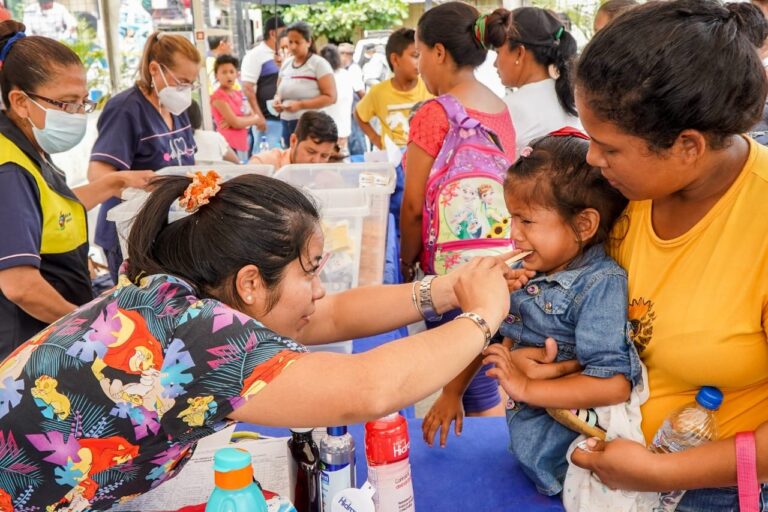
point(124, 214)
point(331, 184)
point(342, 225)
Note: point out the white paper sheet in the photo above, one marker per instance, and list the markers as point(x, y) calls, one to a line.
point(194, 484)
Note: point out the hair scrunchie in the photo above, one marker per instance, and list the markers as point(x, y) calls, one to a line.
point(7, 48)
point(479, 30)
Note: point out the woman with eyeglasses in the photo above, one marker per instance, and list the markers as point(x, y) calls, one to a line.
point(44, 242)
point(206, 328)
point(147, 126)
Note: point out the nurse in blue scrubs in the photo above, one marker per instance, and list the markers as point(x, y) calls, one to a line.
point(146, 127)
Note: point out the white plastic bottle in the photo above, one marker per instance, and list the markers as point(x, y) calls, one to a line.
point(691, 425)
point(387, 449)
point(263, 144)
point(337, 464)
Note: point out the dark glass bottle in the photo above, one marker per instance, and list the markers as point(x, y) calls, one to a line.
point(305, 459)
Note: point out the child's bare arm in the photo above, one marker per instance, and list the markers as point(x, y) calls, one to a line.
point(575, 391)
point(448, 407)
point(369, 132)
point(233, 120)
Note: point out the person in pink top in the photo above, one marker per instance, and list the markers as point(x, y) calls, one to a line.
point(230, 110)
point(451, 41)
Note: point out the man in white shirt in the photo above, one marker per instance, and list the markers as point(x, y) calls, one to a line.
point(375, 69)
point(356, 141)
point(258, 74)
point(50, 19)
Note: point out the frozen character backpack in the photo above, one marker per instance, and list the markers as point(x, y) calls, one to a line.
point(464, 214)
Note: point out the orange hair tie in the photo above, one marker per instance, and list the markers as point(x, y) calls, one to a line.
point(200, 191)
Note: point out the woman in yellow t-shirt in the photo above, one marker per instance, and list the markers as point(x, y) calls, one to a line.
point(665, 92)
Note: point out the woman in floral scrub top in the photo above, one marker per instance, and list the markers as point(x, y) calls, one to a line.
point(109, 401)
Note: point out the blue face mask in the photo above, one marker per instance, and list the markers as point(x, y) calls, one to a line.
point(62, 131)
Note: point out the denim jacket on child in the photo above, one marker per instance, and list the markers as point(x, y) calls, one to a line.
point(584, 308)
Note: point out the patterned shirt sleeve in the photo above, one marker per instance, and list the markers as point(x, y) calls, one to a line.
point(219, 357)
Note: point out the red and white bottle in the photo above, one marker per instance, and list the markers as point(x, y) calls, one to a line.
point(387, 448)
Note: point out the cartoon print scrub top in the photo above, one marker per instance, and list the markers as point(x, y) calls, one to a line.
point(108, 402)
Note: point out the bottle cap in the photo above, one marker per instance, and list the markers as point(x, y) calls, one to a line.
point(337, 431)
point(232, 468)
point(387, 440)
point(300, 430)
point(709, 397)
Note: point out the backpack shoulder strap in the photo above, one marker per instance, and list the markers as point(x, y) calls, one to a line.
point(457, 115)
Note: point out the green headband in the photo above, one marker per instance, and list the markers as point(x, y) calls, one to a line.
point(480, 30)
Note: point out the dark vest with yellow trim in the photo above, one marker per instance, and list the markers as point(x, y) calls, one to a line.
point(63, 245)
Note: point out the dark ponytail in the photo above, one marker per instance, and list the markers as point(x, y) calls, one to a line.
point(664, 67)
point(31, 61)
point(251, 220)
point(452, 24)
point(497, 30)
point(750, 21)
point(544, 35)
point(563, 55)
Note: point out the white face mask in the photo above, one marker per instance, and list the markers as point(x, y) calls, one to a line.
point(175, 100)
point(62, 131)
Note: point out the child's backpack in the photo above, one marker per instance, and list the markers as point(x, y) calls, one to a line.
point(464, 213)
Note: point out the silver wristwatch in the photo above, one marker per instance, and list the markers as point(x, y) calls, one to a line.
point(425, 304)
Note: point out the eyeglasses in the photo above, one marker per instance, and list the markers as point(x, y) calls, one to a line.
point(86, 107)
point(320, 264)
point(181, 86)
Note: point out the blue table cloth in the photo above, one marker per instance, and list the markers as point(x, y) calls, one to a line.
point(474, 472)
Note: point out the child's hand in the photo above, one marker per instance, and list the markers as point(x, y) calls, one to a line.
point(447, 408)
point(224, 125)
point(261, 123)
point(517, 278)
point(512, 380)
point(539, 363)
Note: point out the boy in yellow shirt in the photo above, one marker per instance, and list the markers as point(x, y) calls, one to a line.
point(391, 101)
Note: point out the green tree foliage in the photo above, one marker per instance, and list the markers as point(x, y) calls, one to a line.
point(581, 14)
point(343, 20)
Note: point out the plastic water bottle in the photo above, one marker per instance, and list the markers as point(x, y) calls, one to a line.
point(305, 460)
point(235, 489)
point(690, 426)
point(263, 144)
point(387, 448)
point(337, 464)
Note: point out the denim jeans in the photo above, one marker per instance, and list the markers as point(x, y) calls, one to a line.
point(274, 134)
point(288, 128)
point(725, 499)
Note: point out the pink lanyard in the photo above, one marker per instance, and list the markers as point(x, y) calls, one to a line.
point(746, 472)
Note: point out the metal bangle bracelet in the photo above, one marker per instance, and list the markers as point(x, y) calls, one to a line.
point(414, 299)
point(481, 323)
